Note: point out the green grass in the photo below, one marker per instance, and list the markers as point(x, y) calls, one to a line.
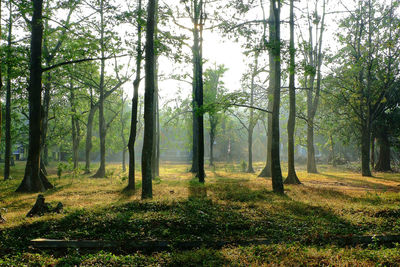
point(303, 226)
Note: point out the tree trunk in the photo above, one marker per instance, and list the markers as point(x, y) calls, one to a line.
point(147, 151)
point(135, 101)
point(89, 130)
point(101, 172)
point(7, 157)
point(372, 150)
point(252, 123)
point(311, 165)
point(275, 78)
point(383, 164)
point(292, 176)
point(198, 83)
point(34, 180)
point(75, 129)
point(333, 154)
point(45, 119)
point(365, 149)
point(212, 139)
point(250, 146)
point(266, 172)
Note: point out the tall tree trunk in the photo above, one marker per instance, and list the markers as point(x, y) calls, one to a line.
point(313, 99)
point(292, 176)
point(154, 155)
point(34, 180)
point(250, 149)
point(45, 120)
point(333, 154)
point(89, 130)
point(198, 21)
point(365, 149)
point(147, 187)
point(252, 123)
point(311, 164)
point(101, 172)
point(383, 164)
point(156, 144)
point(135, 101)
point(212, 139)
point(75, 129)
point(275, 78)
point(7, 158)
point(124, 144)
point(266, 172)
point(373, 150)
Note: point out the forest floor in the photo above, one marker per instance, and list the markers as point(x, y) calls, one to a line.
point(304, 227)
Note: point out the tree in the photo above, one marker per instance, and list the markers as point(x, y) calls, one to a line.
point(292, 176)
point(34, 180)
point(7, 158)
point(213, 90)
point(275, 84)
point(313, 57)
point(369, 78)
point(147, 191)
point(135, 100)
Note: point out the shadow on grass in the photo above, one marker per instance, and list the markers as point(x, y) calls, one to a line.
point(361, 183)
point(196, 219)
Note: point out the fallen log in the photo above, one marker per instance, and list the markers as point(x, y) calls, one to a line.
point(157, 245)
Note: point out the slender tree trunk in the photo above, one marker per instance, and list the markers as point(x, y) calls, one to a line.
point(147, 188)
point(266, 172)
point(372, 150)
point(101, 172)
point(251, 117)
point(365, 149)
point(275, 78)
point(89, 130)
point(135, 101)
point(333, 154)
point(212, 139)
point(383, 164)
point(75, 129)
point(7, 157)
point(292, 176)
point(45, 120)
point(311, 164)
point(198, 86)
point(34, 180)
point(250, 146)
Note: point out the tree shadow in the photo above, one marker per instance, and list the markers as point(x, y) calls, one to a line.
point(362, 184)
point(243, 214)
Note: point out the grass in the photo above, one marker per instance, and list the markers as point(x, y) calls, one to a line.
point(303, 226)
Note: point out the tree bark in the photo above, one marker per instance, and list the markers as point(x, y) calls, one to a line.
point(292, 176)
point(266, 172)
point(383, 164)
point(198, 83)
point(311, 164)
point(275, 78)
point(8, 151)
point(135, 101)
point(101, 172)
point(75, 129)
point(365, 149)
point(147, 187)
point(34, 180)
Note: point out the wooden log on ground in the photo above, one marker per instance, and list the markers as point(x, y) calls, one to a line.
point(155, 245)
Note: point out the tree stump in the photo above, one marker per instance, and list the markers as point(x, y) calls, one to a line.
point(40, 207)
point(2, 219)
